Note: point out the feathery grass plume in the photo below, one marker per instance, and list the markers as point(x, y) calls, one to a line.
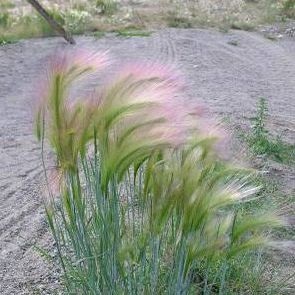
point(68, 124)
point(154, 204)
point(135, 117)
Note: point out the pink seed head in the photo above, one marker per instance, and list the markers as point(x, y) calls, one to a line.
point(154, 83)
point(89, 58)
point(80, 58)
point(159, 72)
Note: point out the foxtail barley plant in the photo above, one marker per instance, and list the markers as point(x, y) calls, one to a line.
point(145, 205)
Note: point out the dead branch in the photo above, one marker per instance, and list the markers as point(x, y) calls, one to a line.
point(52, 22)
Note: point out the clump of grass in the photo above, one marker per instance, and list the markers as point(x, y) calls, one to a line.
point(76, 21)
point(245, 26)
point(151, 210)
point(289, 8)
point(6, 4)
point(261, 142)
point(4, 19)
point(107, 7)
point(34, 25)
point(133, 33)
point(5, 41)
point(97, 34)
point(29, 26)
point(175, 21)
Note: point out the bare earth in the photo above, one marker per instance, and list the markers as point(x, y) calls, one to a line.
point(229, 72)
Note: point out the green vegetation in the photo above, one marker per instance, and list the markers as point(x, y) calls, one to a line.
point(33, 25)
point(107, 7)
point(4, 19)
point(26, 27)
point(76, 21)
point(289, 8)
point(97, 34)
point(130, 32)
point(5, 41)
point(261, 143)
point(6, 4)
point(108, 15)
point(175, 21)
point(245, 26)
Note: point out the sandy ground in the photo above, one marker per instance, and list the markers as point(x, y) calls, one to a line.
point(228, 78)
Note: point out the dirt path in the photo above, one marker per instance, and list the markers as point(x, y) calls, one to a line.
point(229, 78)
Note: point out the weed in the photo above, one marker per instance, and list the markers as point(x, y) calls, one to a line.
point(289, 8)
point(262, 144)
point(151, 210)
point(34, 25)
point(76, 21)
point(81, 6)
point(97, 34)
point(6, 5)
point(5, 41)
point(133, 33)
point(107, 7)
point(245, 26)
point(28, 26)
point(4, 19)
point(177, 21)
point(233, 42)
